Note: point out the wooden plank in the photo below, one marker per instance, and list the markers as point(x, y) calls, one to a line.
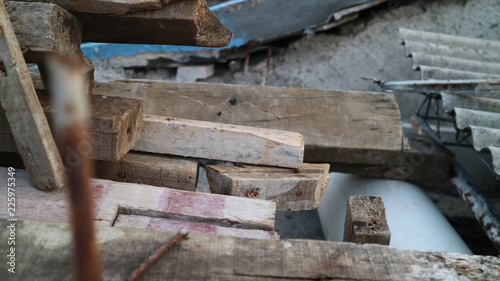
point(424, 161)
point(104, 6)
point(24, 112)
point(291, 189)
point(131, 221)
point(187, 22)
point(365, 221)
point(45, 29)
point(338, 126)
point(221, 142)
point(210, 257)
point(151, 169)
point(115, 125)
point(114, 198)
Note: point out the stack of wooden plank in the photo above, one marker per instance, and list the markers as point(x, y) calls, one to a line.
point(159, 152)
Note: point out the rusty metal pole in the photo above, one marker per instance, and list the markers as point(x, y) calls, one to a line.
point(67, 87)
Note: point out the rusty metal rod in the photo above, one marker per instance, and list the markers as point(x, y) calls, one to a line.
point(68, 92)
point(157, 255)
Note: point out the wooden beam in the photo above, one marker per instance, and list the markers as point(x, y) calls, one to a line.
point(112, 199)
point(45, 29)
point(211, 257)
point(187, 22)
point(291, 189)
point(115, 124)
point(24, 112)
point(338, 126)
point(104, 6)
point(365, 221)
point(423, 161)
point(163, 224)
point(221, 142)
point(151, 169)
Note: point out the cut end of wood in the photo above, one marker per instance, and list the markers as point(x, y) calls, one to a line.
point(211, 32)
point(291, 189)
point(366, 221)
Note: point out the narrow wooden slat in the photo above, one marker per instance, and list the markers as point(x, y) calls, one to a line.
point(24, 112)
point(365, 221)
point(115, 198)
point(151, 169)
point(187, 22)
point(291, 189)
point(211, 257)
point(221, 142)
point(131, 221)
point(115, 125)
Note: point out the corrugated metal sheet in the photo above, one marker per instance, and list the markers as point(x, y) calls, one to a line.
point(475, 105)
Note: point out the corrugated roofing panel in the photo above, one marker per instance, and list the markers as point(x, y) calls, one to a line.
point(446, 57)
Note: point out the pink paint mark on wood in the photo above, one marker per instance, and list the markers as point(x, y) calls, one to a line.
point(100, 192)
point(192, 203)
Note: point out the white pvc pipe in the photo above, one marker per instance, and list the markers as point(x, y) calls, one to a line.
point(414, 221)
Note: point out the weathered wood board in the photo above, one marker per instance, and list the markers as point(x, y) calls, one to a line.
point(105, 6)
point(113, 199)
point(291, 189)
point(187, 22)
point(151, 169)
point(40, 246)
point(221, 142)
point(143, 222)
point(115, 125)
point(365, 221)
point(24, 113)
point(45, 29)
point(423, 161)
point(338, 126)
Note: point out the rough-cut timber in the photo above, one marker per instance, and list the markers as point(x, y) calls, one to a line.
point(365, 221)
point(45, 29)
point(105, 6)
point(115, 124)
point(112, 199)
point(187, 22)
point(132, 221)
point(338, 126)
point(421, 160)
point(151, 169)
point(291, 189)
point(208, 257)
point(221, 142)
point(24, 112)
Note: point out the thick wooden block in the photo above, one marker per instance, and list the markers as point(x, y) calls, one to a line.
point(291, 189)
point(44, 29)
point(221, 142)
point(365, 221)
point(115, 124)
point(24, 113)
point(211, 257)
point(151, 169)
point(112, 199)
